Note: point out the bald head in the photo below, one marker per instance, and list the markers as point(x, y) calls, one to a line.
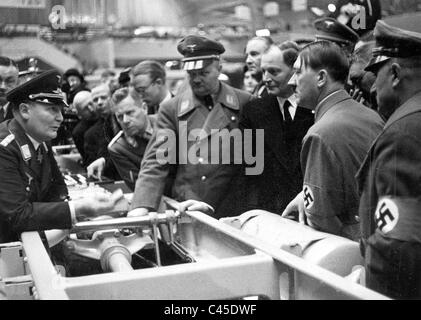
point(84, 105)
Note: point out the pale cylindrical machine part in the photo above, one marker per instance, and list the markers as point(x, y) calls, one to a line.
point(116, 259)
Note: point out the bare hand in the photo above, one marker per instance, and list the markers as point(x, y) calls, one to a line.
point(98, 204)
point(194, 205)
point(96, 168)
point(138, 212)
point(296, 205)
point(357, 95)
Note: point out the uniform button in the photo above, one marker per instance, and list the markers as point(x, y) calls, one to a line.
point(27, 189)
point(203, 178)
point(200, 160)
point(210, 108)
point(233, 118)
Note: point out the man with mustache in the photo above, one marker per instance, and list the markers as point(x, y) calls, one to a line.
point(335, 146)
point(208, 105)
point(390, 176)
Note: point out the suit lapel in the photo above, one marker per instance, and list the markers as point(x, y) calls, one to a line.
point(274, 130)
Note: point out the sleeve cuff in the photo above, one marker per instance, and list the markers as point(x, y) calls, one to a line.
point(72, 212)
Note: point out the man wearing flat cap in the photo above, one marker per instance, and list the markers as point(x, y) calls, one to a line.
point(32, 190)
point(331, 29)
point(390, 176)
point(208, 106)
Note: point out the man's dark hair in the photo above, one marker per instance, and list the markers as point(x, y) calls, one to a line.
point(290, 51)
point(326, 55)
point(7, 62)
point(119, 95)
point(153, 68)
point(364, 52)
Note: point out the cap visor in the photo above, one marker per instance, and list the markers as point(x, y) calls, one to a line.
point(375, 63)
point(196, 64)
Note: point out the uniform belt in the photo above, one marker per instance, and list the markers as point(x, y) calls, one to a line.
point(399, 218)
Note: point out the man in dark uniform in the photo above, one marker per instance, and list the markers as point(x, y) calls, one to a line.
point(390, 176)
point(32, 190)
point(128, 146)
point(9, 79)
point(207, 106)
point(332, 30)
point(334, 147)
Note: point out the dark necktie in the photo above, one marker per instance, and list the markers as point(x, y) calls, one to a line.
point(287, 115)
point(39, 154)
point(208, 101)
point(2, 114)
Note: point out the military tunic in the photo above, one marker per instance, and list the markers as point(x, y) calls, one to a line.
point(31, 193)
point(332, 153)
point(390, 207)
point(201, 179)
point(126, 157)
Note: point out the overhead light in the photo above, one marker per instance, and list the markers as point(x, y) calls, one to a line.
point(263, 33)
point(331, 7)
point(317, 11)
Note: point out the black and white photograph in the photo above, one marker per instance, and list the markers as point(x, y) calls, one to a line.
point(210, 156)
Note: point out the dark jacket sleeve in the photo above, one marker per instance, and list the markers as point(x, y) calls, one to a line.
point(153, 175)
point(127, 170)
point(17, 212)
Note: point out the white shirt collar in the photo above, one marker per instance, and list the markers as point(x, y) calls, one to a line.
point(292, 108)
point(34, 142)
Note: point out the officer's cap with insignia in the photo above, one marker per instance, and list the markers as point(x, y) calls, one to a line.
point(392, 42)
point(332, 30)
point(199, 51)
point(44, 88)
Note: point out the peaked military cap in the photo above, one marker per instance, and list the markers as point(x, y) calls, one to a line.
point(43, 88)
point(332, 30)
point(392, 42)
point(199, 51)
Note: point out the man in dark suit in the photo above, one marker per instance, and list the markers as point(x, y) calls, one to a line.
point(284, 125)
point(9, 79)
point(88, 116)
point(148, 80)
point(32, 189)
point(128, 146)
point(98, 136)
point(255, 48)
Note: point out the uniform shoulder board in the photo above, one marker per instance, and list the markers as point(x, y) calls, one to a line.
point(6, 141)
point(114, 140)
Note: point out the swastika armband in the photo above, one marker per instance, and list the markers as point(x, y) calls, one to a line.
point(308, 197)
point(399, 218)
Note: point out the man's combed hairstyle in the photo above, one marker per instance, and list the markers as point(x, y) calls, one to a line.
point(290, 51)
point(326, 55)
point(7, 62)
point(119, 95)
point(364, 52)
point(154, 69)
